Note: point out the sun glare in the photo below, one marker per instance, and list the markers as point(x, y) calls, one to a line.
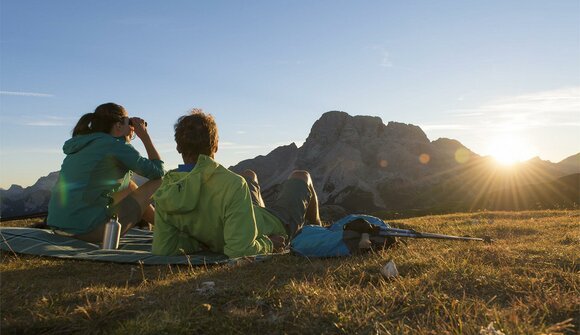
point(508, 150)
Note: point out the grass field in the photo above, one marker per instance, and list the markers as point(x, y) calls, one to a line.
point(526, 282)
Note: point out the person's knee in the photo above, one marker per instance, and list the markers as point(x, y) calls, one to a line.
point(301, 175)
point(249, 174)
point(133, 186)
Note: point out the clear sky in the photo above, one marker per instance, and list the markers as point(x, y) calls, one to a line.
point(475, 71)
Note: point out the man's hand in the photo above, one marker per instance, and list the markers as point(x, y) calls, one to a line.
point(279, 242)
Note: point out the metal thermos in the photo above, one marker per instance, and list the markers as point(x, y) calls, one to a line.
point(112, 234)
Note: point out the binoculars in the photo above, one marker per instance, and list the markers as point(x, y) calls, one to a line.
point(131, 123)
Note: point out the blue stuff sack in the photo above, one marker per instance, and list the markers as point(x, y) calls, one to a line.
point(342, 238)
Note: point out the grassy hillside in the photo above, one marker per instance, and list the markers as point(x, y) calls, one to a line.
point(563, 192)
point(527, 282)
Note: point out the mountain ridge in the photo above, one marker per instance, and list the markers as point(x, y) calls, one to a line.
point(360, 164)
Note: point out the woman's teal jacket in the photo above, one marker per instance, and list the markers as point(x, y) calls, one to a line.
point(96, 165)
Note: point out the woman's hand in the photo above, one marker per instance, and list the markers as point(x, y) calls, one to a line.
point(139, 126)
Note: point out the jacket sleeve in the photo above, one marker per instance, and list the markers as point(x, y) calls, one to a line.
point(170, 241)
point(240, 232)
point(130, 157)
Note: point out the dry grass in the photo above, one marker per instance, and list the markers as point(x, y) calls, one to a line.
point(527, 282)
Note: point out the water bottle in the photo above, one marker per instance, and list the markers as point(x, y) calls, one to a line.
point(112, 234)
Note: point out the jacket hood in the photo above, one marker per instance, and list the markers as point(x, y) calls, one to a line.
point(180, 191)
point(77, 143)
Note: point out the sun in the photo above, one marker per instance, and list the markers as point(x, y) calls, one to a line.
point(510, 149)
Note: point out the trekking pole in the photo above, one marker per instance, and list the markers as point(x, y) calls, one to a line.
point(361, 225)
point(396, 232)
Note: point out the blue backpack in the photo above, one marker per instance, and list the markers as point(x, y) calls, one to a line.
point(353, 234)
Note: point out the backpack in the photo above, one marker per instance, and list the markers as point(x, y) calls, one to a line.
point(354, 234)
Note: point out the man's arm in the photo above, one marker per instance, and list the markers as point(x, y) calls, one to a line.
point(169, 241)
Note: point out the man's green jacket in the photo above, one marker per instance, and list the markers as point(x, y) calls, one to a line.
point(210, 208)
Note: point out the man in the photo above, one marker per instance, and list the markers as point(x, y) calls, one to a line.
point(204, 206)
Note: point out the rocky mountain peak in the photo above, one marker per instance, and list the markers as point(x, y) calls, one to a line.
point(273, 168)
point(451, 146)
point(339, 126)
point(447, 143)
point(353, 158)
point(360, 164)
point(15, 188)
point(402, 132)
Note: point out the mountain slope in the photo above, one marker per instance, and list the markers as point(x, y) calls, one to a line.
point(361, 164)
point(18, 201)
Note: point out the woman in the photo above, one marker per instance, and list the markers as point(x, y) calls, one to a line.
point(95, 177)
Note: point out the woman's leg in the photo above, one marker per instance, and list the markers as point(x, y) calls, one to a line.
point(143, 195)
point(143, 198)
point(95, 236)
point(149, 214)
point(119, 196)
point(132, 205)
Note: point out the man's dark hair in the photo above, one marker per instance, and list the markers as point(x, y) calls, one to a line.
point(195, 134)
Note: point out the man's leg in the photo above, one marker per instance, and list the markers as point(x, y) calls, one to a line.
point(252, 180)
point(312, 214)
point(296, 202)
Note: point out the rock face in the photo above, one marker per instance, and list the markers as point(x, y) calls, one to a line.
point(18, 201)
point(273, 168)
point(357, 162)
point(349, 157)
point(362, 165)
